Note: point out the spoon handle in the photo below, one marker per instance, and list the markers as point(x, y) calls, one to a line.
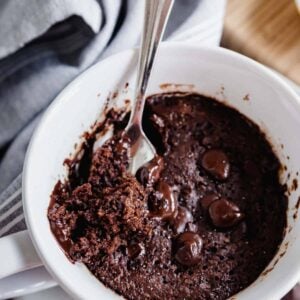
point(155, 20)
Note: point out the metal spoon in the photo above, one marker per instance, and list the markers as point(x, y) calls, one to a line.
point(156, 16)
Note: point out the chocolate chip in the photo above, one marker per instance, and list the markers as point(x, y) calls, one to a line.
point(208, 199)
point(188, 248)
point(216, 163)
point(134, 250)
point(149, 173)
point(182, 217)
point(163, 204)
point(224, 213)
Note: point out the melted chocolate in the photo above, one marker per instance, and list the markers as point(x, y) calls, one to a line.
point(224, 213)
point(216, 163)
point(181, 219)
point(149, 173)
point(163, 203)
point(188, 248)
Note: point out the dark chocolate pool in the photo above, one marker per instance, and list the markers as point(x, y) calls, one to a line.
point(200, 221)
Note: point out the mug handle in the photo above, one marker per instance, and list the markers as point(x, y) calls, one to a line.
point(18, 255)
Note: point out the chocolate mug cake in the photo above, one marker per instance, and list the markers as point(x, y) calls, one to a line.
point(201, 220)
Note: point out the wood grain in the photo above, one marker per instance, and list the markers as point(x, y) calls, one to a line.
point(266, 30)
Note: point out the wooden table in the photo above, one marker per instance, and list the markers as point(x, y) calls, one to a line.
point(266, 30)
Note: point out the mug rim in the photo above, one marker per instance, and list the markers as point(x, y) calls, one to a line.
point(33, 232)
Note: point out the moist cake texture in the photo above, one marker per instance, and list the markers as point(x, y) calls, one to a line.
point(200, 221)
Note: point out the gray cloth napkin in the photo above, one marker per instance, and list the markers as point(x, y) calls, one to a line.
point(22, 21)
point(51, 42)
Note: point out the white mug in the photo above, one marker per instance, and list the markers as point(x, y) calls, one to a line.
point(230, 77)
